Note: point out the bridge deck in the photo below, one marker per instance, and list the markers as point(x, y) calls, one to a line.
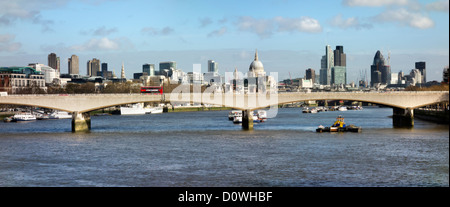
point(90, 102)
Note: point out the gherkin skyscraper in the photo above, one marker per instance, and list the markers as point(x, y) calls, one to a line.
point(380, 73)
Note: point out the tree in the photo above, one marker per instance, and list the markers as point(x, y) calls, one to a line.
point(126, 87)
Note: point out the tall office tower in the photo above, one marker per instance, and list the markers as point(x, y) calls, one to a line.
point(327, 63)
point(93, 66)
point(165, 68)
point(423, 71)
point(379, 71)
point(104, 71)
point(340, 58)
point(323, 71)
point(415, 76)
point(88, 68)
point(339, 70)
point(104, 67)
point(212, 66)
point(149, 69)
point(311, 74)
point(53, 61)
point(339, 75)
point(58, 65)
point(74, 67)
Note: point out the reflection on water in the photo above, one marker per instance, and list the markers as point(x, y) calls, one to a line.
point(205, 149)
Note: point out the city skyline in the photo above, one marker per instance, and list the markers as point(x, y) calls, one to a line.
point(289, 35)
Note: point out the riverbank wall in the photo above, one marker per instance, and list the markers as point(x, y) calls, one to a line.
point(436, 116)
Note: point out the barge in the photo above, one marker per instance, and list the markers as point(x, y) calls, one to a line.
point(339, 126)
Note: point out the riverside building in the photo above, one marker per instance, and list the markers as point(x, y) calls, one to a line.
point(12, 79)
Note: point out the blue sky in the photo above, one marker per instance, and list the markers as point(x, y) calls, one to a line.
point(290, 35)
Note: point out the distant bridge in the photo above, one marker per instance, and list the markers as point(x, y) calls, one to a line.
point(80, 104)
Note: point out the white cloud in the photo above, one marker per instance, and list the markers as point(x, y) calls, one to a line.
point(375, 3)
point(262, 27)
point(6, 38)
point(205, 21)
point(104, 44)
point(153, 31)
point(25, 10)
point(267, 27)
point(217, 33)
point(352, 22)
point(442, 6)
point(302, 24)
point(103, 31)
point(405, 17)
point(7, 44)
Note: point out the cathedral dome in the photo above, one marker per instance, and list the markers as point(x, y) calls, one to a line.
point(256, 66)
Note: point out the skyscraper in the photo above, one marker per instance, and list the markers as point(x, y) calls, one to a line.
point(165, 68)
point(149, 69)
point(58, 66)
point(212, 66)
point(74, 67)
point(423, 71)
point(379, 71)
point(339, 75)
point(53, 61)
point(340, 57)
point(104, 71)
point(311, 74)
point(339, 70)
point(327, 63)
point(93, 66)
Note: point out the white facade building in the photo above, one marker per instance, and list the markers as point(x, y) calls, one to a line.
point(49, 73)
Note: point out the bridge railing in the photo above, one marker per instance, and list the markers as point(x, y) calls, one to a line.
point(322, 92)
point(84, 94)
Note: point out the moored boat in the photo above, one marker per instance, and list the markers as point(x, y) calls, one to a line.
point(24, 117)
point(237, 119)
point(155, 110)
point(342, 108)
point(233, 113)
point(261, 115)
point(60, 115)
point(306, 110)
point(134, 109)
point(8, 119)
point(42, 116)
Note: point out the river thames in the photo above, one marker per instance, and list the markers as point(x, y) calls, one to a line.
point(205, 149)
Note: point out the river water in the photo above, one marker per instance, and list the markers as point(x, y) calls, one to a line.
point(205, 149)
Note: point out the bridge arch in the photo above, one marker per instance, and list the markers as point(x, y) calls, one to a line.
point(36, 105)
point(70, 111)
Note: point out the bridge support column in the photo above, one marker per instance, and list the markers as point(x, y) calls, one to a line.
point(247, 120)
point(403, 117)
point(81, 122)
point(165, 108)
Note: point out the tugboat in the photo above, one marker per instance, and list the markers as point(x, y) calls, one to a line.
point(339, 126)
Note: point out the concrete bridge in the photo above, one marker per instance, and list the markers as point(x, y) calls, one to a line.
point(403, 103)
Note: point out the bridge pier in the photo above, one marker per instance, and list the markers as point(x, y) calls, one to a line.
point(247, 120)
point(403, 117)
point(81, 122)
